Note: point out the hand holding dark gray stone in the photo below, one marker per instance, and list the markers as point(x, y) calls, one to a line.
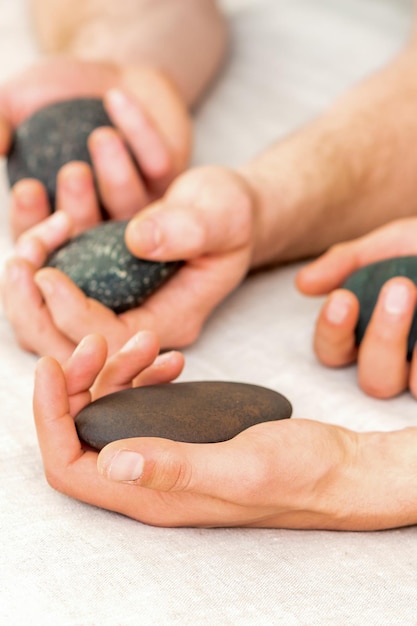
point(366, 284)
point(194, 412)
point(100, 264)
point(52, 137)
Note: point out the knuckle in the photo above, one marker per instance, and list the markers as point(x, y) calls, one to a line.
point(170, 473)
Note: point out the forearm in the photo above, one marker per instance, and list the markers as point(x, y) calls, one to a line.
point(344, 174)
point(186, 39)
point(382, 482)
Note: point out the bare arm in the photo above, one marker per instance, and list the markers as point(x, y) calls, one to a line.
point(184, 38)
point(344, 174)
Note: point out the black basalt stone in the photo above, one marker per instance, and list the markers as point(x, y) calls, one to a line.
point(194, 412)
point(52, 137)
point(100, 264)
point(366, 284)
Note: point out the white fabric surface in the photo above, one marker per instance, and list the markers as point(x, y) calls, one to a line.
point(66, 563)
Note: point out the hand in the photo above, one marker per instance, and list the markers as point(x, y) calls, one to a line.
point(383, 371)
point(206, 218)
point(148, 114)
point(289, 474)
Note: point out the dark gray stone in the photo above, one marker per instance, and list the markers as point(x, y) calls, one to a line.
point(52, 137)
point(99, 262)
point(195, 412)
point(366, 284)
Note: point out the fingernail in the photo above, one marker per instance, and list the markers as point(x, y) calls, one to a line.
point(163, 358)
point(147, 235)
point(131, 343)
point(396, 298)
point(338, 308)
point(80, 347)
point(124, 465)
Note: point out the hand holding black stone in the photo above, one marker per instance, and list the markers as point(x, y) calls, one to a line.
point(366, 284)
point(194, 412)
point(52, 137)
point(100, 264)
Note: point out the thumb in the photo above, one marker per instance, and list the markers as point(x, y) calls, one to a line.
point(206, 211)
point(170, 466)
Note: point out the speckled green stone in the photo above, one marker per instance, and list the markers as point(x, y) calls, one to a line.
point(100, 264)
point(52, 137)
point(366, 284)
point(195, 412)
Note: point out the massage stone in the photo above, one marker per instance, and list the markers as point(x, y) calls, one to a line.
point(100, 264)
point(194, 412)
point(52, 137)
point(366, 284)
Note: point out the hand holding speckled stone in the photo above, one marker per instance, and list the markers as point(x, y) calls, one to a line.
point(52, 137)
point(100, 264)
point(366, 284)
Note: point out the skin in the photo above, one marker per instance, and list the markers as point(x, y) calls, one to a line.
point(346, 173)
point(293, 473)
point(383, 371)
point(137, 56)
point(142, 103)
point(323, 476)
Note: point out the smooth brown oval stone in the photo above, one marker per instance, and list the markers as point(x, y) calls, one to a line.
point(194, 412)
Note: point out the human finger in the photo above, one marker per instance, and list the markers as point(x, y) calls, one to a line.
point(192, 221)
point(334, 337)
point(29, 205)
point(138, 363)
point(382, 365)
point(36, 331)
point(334, 266)
point(81, 370)
point(122, 191)
point(76, 315)
point(77, 197)
point(38, 242)
point(69, 467)
point(144, 139)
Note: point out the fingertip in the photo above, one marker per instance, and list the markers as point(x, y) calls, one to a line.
point(119, 464)
point(334, 338)
point(144, 340)
point(91, 343)
point(49, 388)
point(29, 205)
point(143, 235)
point(341, 307)
point(311, 280)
